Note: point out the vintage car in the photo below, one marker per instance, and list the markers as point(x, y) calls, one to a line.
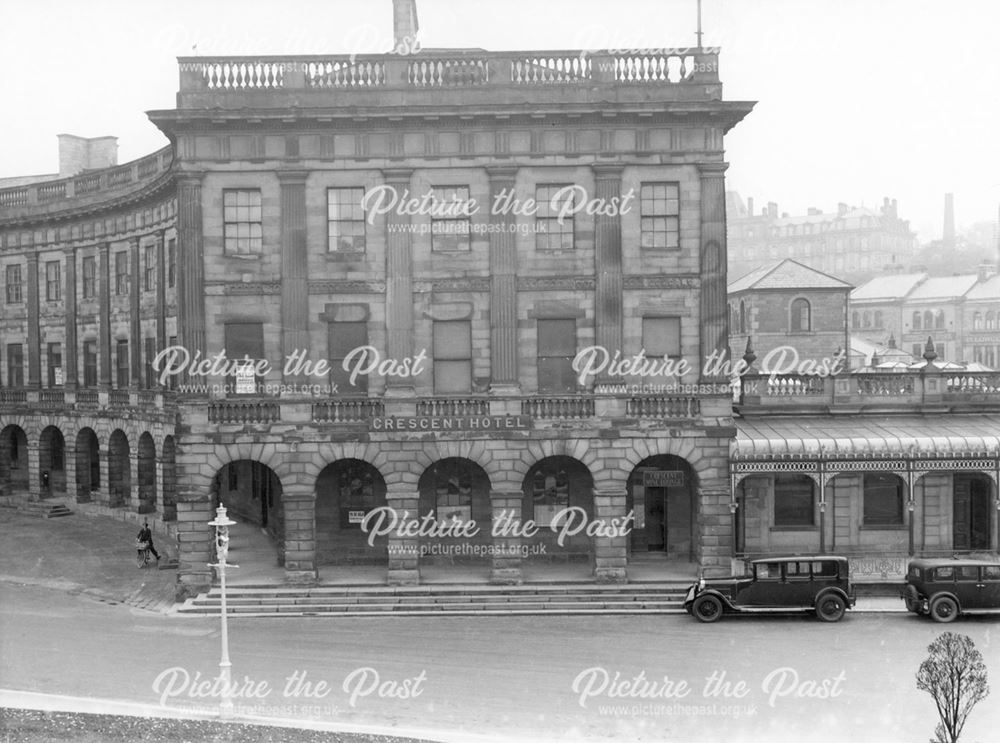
point(945, 588)
point(813, 583)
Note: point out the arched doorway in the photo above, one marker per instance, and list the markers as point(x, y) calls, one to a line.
point(119, 474)
point(13, 460)
point(971, 513)
point(88, 464)
point(346, 491)
point(557, 489)
point(169, 479)
point(146, 471)
point(251, 493)
point(456, 490)
point(52, 462)
point(661, 493)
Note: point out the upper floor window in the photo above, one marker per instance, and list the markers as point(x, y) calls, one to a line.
point(342, 339)
point(855, 319)
point(928, 319)
point(743, 316)
point(53, 281)
point(244, 348)
point(89, 277)
point(15, 365)
point(122, 363)
point(916, 321)
point(450, 212)
point(14, 295)
point(991, 320)
point(552, 231)
point(453, 356)
point(345, 218)
point(801, 315)
point(659, 210)
point(661, 337)
point(878, 318)
point(90, 363)
point(121, 272)
point(243, 232)
point(54, 357)
point(171, 263)
point(149, 268)
point(939, 320)
point(556, 350)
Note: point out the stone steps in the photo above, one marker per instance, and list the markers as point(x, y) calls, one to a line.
point(44, 509)
point(286, 601)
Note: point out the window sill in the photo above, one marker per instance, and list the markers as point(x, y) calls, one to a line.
point(343, 256)
point(883, 527)
point(243, 256)
point(794, 528)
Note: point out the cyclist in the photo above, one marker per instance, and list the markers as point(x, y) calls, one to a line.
point(145, 535)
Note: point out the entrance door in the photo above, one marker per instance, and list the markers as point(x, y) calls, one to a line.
point(971, 513)
point(656, 518)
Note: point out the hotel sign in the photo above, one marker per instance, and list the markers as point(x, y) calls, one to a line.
point(663, 478)
point(419, 423)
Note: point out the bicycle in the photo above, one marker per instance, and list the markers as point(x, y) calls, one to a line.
point(143, 556)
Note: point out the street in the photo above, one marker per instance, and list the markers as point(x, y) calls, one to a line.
point(625, 678)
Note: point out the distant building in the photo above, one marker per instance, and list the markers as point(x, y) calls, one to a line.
point(788, 304)
point(960, 313)
point(855, 243)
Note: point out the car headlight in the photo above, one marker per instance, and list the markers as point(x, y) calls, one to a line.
point(701, 584)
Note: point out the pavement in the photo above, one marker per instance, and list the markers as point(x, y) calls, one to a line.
point(93, 555)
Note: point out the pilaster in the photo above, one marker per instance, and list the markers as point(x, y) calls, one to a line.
point(294, 268)
point(398, 281)
point(610, 553)
point(713, 316)
point(299, 505)
point(34, 332)
point(404, 552)
point(70, 363)
point(190, 265)
point(194, 542)
point(503, 281)
point(506, 506)
point(135, 318)
point(608, 312)
point(104, 318)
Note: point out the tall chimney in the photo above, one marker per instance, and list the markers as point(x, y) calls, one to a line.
point(404, 23)
point(948, 236)
point(750, 206)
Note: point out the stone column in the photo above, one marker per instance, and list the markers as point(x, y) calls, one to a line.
point(608, 321)
point(714, 533)
point(294, 269)
point(503, 283)
point(610, 553)
point(713, 315)
point(102, 493)
point(506, 505)
point(69, 468)
point(104, 318)
point(70, 373)
point(161, 294)
point(194, 541)
point(404, 552)
point(132, 500)
point(191, 265)
point(135, 317)
point(299, 504)
point(398, 283)
point(34, 471)
point(34, 331)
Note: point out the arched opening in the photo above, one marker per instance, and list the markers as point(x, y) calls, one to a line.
point(916, 321)
point(346, 491)
point(119, 475)
point(456, 491)
point(552, 486)
point(801, 319)
point(146, 472)
point(971, 515)
point(52, 462)
point(928, 319)
point(13, 460)
point(939, 320)
point(88, 465)
point(661, 492)
point(169, 479)
point(251, 493)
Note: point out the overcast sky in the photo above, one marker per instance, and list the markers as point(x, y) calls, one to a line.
point(858, 99)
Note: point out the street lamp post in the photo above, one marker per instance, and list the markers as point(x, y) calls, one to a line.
point(222, 524)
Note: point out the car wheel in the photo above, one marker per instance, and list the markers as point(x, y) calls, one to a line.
point(944, 609)
point(707, 608)
point(830, 607)
point(911, 599)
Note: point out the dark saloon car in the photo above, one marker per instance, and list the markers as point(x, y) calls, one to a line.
point(813, 583)
point(946, 588)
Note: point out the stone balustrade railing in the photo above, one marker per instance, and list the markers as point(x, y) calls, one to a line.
point(449, 69)
point(111, 181)
point(26, 400)
point(783, 393)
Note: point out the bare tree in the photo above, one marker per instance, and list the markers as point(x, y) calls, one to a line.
point(954, 674)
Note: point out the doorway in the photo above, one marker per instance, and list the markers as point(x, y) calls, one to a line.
point(971, 513)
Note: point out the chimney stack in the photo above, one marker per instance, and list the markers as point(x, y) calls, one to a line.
point(948, 235)
point(750, 206)
point(404, 23)
point(77, 154)
point(772, 210)
point(841, 209)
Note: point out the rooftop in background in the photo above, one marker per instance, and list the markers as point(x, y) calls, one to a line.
point(888, 287)
point(786, 274)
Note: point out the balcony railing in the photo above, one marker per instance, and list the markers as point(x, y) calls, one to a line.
point(29, 399)
point(449, 69)
point(784, 393)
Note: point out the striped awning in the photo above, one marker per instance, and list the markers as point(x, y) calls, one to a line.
point(866, 435)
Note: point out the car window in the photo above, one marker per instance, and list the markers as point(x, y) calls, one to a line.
point(991, 572)
point(825, 569)
point(914, 572)
point(768, 570)
point(797, 570)
point(968, 572)
point(944, 573)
